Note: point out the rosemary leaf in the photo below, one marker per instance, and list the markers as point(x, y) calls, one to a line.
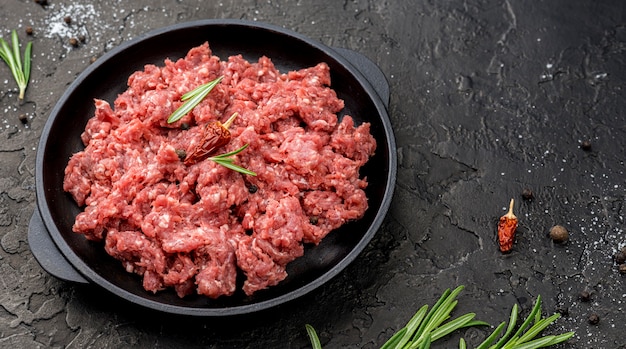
point(441, 311)
point(475, 323)
point(231, 153)
point(562, 337)
point(545, 341)
point(394, 341)
point(537, 328)
point(16, 50)
point(27, 61)
point(509, 330)
point(230, 165)
point(428, 320)
point(315, 341)
point(7, 55)
point(198, 90)
point(426, 343)
point(411, 327)
point(537, 316)
point(192, 99)
point(3, 54)
point(453, 325)
point(492, 337)
point(531, 316)
point(228, 162)
point(537, 343)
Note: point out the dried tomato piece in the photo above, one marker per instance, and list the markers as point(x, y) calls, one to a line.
point(506, 229)
point(215, 135)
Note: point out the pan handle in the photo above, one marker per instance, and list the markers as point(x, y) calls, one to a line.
point(47, 253)
point(370, 70)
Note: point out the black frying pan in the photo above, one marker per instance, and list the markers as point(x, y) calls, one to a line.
point(71, 257)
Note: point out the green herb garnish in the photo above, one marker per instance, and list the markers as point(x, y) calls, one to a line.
point(11, 55)
point(228, 162)
point(315, 341)
point(192, 99)
point(426, 327)
point(524, 339)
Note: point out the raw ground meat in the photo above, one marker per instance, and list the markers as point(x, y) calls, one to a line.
point(193, 228)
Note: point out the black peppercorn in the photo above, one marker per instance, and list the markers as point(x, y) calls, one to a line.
point(23, 118)
point(620, 257)
point(74, 42)
point(585, 145)
point(593, 319)
point(29, 30)
point(527, 194)
point(184, 126)
point(622, 268)
point(252, 189)
point(181, 153)
point(313, 220)
point(67, 19)
point(584, 296)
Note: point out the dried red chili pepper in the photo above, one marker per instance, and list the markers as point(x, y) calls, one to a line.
point(506, 229)
point(215, 135)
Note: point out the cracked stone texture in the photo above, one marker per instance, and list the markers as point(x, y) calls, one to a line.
point(488, 98)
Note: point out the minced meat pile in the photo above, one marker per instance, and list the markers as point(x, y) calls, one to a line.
point(194, 227)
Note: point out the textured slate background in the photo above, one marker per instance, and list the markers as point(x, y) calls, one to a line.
point(487, 98)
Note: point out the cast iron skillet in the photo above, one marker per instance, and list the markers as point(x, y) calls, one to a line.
point(71, 257)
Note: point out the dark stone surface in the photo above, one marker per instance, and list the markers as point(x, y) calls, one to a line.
point(487, 98)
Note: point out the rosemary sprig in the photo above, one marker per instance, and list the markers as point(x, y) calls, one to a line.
point(11, 55)
point(525, 340)
point(192, 99)
point(227, 161)
point(426, 327)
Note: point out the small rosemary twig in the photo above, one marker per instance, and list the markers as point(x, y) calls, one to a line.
point(192, 99)
point(11, 55)
point(227, 161)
